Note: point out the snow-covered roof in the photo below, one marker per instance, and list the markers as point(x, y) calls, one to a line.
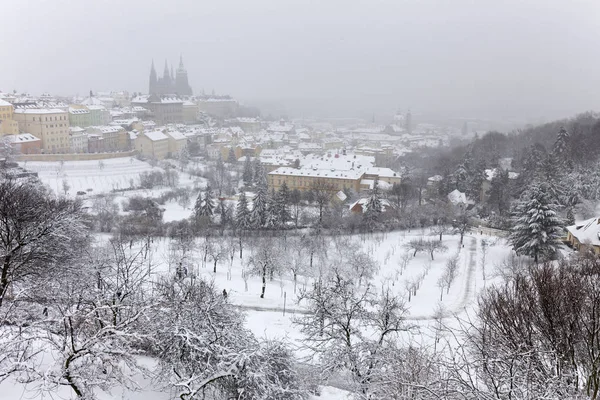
point(383, 172)
point(78, 110)
point(39, 111)
point(341, 195)
point(587, 232)
point(155, 136)
point(435, 178)
point(76, 129)
point(92, 101)
point(22, 138)
point(457, 197)
point(176, 135)
point(316, 172)
point(4, 103)
point(363, 202)
point(491, 173)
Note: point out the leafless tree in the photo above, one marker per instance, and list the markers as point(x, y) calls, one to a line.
point(38, 233)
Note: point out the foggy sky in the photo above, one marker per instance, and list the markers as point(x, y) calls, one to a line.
point(480, 58)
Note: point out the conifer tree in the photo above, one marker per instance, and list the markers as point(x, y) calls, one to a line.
point(247, 174)
point(231, 158)
point(373, 207)
point(259, 208)
point(208, 205)
point(561, 145)
point(242, 214)
point(537, 228)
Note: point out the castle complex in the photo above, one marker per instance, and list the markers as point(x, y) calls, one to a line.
point(173, 84)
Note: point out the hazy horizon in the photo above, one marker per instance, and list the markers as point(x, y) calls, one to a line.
point(333, 58)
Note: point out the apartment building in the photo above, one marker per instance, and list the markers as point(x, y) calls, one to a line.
point(51, 125)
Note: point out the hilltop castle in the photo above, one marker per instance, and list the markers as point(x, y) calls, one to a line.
point(176, 84)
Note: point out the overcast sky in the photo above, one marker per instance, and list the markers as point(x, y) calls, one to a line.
point(340, 57)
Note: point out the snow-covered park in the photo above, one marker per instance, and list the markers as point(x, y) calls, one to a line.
point(434, 282)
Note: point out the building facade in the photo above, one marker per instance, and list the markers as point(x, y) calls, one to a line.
point(8, 126)
point(49, 125)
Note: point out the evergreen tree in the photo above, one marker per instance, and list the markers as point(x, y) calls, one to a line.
point(247, 174)
point(282, 204)
point(550, 173)
point(561, 145)
point(198, 206)
point(499, 193)
point(570, 217)
point(259, 208)
point(223, 212)
point(231, 158)
point(242, 214)
point(371, 216)
point(537, 228)
point(208, 205)
point(476, 178)
point(256, 167)
point(260, 177)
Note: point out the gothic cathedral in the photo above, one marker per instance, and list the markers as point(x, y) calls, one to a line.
point(169, 83)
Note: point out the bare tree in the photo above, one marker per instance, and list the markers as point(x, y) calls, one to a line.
point(266, 253)
point(38, 232)
point(339, 311)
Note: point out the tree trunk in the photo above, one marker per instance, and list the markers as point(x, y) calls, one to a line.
point(264, 282)
point(215, 266)
point(4, 278)
point(295, 281)
point(240, 247)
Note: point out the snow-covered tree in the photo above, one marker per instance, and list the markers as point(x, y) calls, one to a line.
point(265, 259)
point(38, 233)
point(537, 228)
point(339, 312)
point(562, 144)
point(200, 339)
point(242, 214)
point(258, 215)
point(208, 204)
point(247, 175)
point(373, 208)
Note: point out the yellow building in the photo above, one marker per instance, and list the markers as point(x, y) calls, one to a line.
point(50, 125)
point(8, 126)
point(152, 144)
point(585, 235)
point(177, 141)
point(305, 179)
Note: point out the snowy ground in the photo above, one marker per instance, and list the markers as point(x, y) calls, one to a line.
point(99, 176)
point(265, 316)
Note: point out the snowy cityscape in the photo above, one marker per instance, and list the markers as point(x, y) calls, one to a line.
point(309, 229)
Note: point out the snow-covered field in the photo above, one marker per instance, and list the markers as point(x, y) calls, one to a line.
point(99, 176)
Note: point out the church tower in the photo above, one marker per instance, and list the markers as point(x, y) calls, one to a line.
point(182, 86)
point(153, 80)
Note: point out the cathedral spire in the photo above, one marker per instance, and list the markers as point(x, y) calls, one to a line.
point(166, 74)
point(180, 61)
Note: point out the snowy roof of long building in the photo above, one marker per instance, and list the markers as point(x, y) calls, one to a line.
point(78, 110)
point(4, 103)
point(177, 135)
point(155, 135)
point(39, 111)
point(22, 138)
point(316, 172)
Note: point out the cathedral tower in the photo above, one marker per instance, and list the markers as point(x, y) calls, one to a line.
point(182, 86)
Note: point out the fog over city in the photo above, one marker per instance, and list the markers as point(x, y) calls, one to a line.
point(489, 59)
point(300, 200)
